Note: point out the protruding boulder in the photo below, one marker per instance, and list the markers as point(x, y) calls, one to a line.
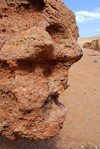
point(94, 44)
point(34, 68)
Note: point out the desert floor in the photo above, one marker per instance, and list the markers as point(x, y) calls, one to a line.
point(82, 100)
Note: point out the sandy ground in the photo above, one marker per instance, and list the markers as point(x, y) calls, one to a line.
point(82, 100)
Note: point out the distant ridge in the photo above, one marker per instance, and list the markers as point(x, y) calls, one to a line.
point(81, 41)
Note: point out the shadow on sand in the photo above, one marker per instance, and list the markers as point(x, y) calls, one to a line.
point(6, 143)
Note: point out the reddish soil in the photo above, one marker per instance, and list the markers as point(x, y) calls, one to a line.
point(82, 100)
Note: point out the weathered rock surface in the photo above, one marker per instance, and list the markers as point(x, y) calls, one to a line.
point(34, 66)
point(94, 44)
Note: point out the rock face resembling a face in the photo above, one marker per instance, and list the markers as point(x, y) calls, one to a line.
point(34, 68)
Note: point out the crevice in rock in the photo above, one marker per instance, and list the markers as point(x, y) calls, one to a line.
point(3, 63)
point(55, 29)
point(51, 98)
point(39, 4)
point(54, 7)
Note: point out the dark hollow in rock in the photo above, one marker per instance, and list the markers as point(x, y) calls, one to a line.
point(55, 28)
point(39, 4)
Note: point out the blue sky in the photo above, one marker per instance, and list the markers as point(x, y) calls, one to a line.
point(87, 16)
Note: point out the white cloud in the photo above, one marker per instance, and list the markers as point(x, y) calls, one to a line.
point(97, 9)
point(83, 16)
point(97, 30)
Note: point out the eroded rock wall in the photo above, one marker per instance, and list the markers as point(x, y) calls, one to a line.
point(37, 47)
point(94, 45)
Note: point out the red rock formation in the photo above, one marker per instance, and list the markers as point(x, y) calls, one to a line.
point(94, 45)
point(34, 66)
